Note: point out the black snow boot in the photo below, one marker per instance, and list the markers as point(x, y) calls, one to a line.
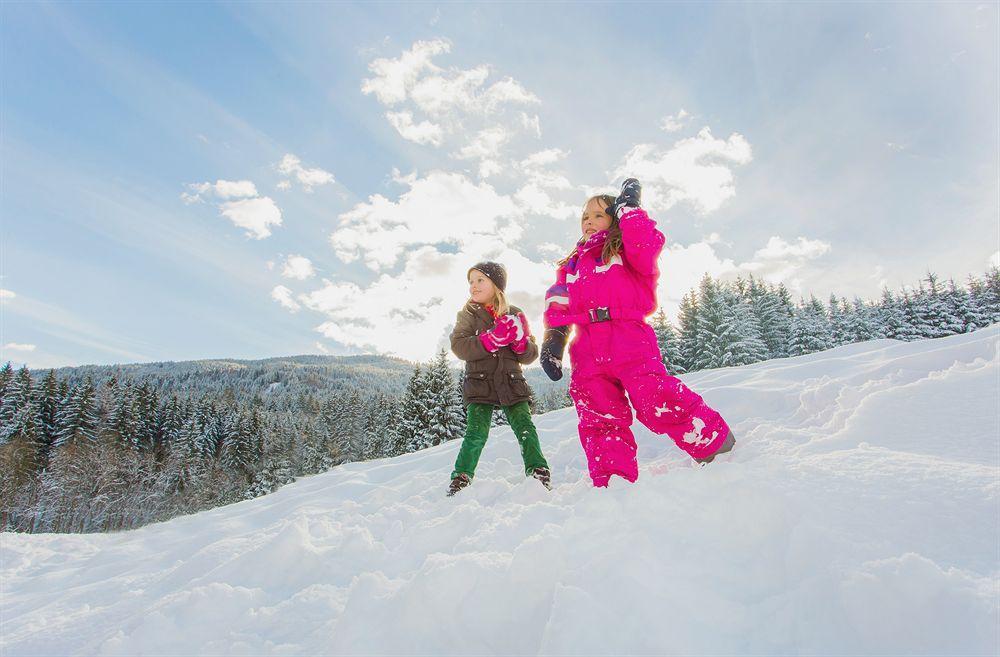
point(458, 483)
point(727, 445)
point(543, 475)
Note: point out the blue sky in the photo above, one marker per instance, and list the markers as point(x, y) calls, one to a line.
point(186, 181)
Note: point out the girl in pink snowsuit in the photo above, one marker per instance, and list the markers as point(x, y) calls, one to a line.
point(606, 288)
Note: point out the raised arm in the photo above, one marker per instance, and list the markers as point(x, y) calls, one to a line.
point(641, 241)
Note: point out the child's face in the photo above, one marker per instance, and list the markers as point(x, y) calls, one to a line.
point(595, 218)
point(481, 289)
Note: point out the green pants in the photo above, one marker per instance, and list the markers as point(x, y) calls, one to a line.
point(478, 428)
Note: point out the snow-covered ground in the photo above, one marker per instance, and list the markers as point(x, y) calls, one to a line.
point(859, 514)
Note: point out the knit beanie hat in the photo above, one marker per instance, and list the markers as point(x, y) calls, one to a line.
point(493, 271)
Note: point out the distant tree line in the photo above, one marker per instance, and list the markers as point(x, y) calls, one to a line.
point(746, 321)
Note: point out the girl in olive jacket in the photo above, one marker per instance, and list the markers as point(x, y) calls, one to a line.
point(493, 339)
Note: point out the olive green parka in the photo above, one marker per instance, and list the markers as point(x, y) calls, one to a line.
point(489, 378)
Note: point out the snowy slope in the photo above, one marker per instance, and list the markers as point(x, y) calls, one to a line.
point(859, 515)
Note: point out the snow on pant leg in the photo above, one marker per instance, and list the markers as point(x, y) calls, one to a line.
point(667, 406)
point(519, 417)
point(477, 429)
point(604, 420)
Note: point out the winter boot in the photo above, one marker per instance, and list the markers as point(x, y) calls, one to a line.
point(460, 481)
point(543, 475)
point(727, 445)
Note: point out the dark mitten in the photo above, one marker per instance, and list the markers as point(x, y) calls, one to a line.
point(630, 196)
point(552, 351)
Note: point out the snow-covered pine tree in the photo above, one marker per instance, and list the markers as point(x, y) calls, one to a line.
point(689, 339)
point(912, 323)
point(771, 317)
point(6, 375)
point(711, 345)
point(931, 309)
point(860, 324)
point(122, 421)
point(17, 395)
point(740, 338)
point(147, 405)
point(891, 316)
point(976, 316)
point(355, 415)
point(414, 424)
point(810, 330)
point(238, 446)
point(838, 316)
point(956, 300)
point(989, 301)
point(48, 405)
point(21, 444)
point(376, 427)
point(78, 419)
point(445, 407)
point(668, 342)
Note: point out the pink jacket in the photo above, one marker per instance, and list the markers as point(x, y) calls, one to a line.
point(627, 283)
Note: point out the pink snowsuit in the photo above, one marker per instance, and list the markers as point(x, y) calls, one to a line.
point(613, 357)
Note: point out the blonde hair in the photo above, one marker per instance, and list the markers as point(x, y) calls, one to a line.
point(500, 304)
point(613, 245)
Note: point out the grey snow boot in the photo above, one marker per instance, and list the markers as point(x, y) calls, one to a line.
point(727, 445)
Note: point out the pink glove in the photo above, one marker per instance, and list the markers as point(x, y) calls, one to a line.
point(520, 342)
point(501, 335)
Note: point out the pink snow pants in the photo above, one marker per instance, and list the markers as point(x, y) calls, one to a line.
point(620, 357)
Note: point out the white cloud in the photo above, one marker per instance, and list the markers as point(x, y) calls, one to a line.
point(424, 132)
point(248, 211)
point(394, 77)
point(544, 158)
point(322, 348)
point(452, 107)
point(994, 260)
point(409, 314)
point(291, 165)
point(235, 189)
point(485, 144)
point(506, 91)
point(778, 248)
point(284, 185)
point(439, 208)
point(535, 200)
point(779, 260)
point(696, 170)
point(283, 295)
point(298, 267)
point(674, 122)
point(14, 346)
point(224, 189)
point(6, 294)
point(532, 124)
point(255, 215)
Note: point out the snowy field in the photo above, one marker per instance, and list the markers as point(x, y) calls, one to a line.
point(858, 515)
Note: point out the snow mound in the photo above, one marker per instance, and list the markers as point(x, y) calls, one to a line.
point(858, 515)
